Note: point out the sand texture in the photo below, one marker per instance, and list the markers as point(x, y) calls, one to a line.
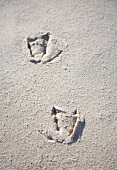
point(58, 54)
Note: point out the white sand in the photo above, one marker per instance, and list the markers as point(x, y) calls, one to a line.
point(85, 78)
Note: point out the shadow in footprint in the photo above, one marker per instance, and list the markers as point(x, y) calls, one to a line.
point(35, 62)
point(78, 131)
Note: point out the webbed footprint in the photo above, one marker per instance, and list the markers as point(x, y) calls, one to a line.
point(43, 48)
point(65, 127)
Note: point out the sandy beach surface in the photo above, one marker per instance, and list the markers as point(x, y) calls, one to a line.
point(83, 76)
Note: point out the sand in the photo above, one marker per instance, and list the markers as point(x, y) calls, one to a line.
point(83, 77)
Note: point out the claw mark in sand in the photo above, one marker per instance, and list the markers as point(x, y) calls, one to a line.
point(65, 127)
point(43, 48)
